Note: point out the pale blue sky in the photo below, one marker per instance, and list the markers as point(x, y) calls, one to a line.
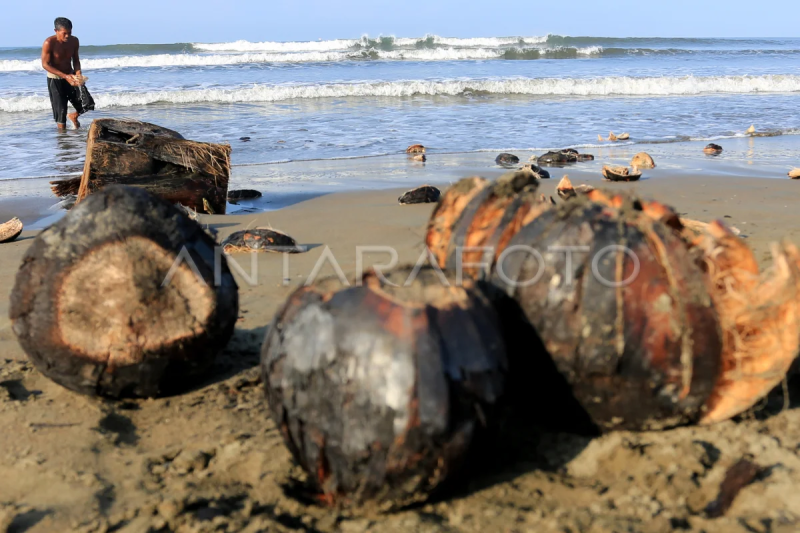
point(170, 21)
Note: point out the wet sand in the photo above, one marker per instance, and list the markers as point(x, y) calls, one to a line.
point(211, 460)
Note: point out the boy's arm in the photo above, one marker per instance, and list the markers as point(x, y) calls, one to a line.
point(46, 61)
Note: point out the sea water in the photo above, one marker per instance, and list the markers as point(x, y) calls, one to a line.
point(293, 101)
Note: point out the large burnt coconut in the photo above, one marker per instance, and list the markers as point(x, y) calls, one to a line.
point(379, 389)
point(626, 318)
point(119, 298)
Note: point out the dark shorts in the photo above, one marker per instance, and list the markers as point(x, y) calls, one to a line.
point(61, 92)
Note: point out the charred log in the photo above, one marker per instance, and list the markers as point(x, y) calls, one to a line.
point(119, 297)
point(157, 159)
point(628, 322)
point(379, 390)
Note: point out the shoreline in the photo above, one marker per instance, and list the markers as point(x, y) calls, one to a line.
point(289, 183)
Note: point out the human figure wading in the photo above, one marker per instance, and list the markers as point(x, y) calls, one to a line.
point(60, 60)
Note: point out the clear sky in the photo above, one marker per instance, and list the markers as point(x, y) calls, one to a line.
point(171, 21)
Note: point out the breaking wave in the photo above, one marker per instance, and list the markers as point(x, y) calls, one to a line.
point(586, 87)
point(198, 60)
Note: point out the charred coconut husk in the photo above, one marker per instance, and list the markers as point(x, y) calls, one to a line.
point(243, 194)
point(644, 354)
point(506, 160)
point(555, 159)
point(10, 230)
point(261, 240)
point(621, 174)
point(378, 390)
point(538, 172)
point(476, 217)
point(425, 194)
point(119, 297)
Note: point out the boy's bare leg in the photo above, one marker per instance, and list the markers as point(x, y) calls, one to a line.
point(74, 118)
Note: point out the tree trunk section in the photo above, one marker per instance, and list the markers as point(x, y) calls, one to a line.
point(379, 390)
point(156, 159)
point(119, 298)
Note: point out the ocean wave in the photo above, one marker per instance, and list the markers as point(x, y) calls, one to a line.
point(587, 87)
point(274, 46)
point(198, 60)
point(382, 42)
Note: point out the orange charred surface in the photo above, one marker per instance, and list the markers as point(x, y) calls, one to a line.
point(447, 214)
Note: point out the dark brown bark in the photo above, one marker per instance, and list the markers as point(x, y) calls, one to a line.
point(156, 159)
point(644, 355)
point(379, 390)
point(103, 305)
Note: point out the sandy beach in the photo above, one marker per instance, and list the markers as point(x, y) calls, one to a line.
point(212, 460)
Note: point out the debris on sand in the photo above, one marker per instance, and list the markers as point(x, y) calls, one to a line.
point(566, 190)
point(243, 194)
point(643, 160)
point(105, 305)
point(713, 149)
point(421, 195)
point(621, 173)
point(506, 160)
point(10, 230)
point(157, 159)
point(794, 173)
point(261, 240)
point(340, 361)
point(415, 149)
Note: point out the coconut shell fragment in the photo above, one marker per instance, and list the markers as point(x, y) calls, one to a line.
point(643, 160)
point(124, 296)
point(621, 174)
point(261, 240)
point(421, 195)
point(506, 160)
point(10, 230)
point(566, 190)
point(243, 194)
point(380, 389)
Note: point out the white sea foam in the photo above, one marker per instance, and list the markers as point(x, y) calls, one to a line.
point(271, 46)
point(210, 60)
point(343, 44)
point(591, 87)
